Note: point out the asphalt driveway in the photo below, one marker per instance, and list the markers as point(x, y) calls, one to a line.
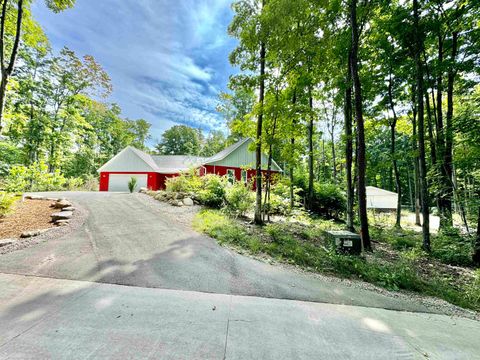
point(129, 240)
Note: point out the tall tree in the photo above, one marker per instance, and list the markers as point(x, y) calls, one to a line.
point(424, 196)
point(10, 42)
point(180, 140)
point(361, 155)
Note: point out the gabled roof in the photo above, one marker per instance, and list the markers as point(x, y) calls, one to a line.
point(145, 157)
point(169, 164)
point(230, 149)
point(166, 164)
point(227, 151)
point(126, 154)
point(375, 191)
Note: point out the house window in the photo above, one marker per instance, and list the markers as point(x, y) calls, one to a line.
point(231, 176)
point(244, 176)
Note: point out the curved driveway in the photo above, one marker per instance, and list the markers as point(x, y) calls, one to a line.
point(130, 240)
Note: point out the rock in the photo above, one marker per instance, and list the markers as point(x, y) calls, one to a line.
point(52, 199)
point(62, 215)
point(174, 202)
point(68, 208)
point(27, 234)
point(159, 197)
point(34, 197)
point(188, 202)
point(5, 242)
point(143, 190)
point(62, 222)
point(60, 204)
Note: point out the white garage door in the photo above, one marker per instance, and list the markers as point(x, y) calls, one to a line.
point(119, 182)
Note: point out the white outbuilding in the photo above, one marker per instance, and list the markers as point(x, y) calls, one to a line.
point(380, 199)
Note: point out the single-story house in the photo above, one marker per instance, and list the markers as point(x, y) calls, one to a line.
point(380, 199)
point(236, 161)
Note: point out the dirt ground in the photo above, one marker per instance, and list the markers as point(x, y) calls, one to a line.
point(28, 215)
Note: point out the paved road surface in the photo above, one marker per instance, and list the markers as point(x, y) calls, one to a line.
point(64, 319)
point(129, 240)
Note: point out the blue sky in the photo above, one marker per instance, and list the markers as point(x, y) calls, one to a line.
point(168, 59)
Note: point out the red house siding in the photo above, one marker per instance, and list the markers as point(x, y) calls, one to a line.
point(153, 180)
point(222, 170)
point(156, 181)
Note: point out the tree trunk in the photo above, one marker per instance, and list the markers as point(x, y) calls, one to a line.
point(361, 156)
point(415, 159)
point(292, 142)
point(333, 156)
point(6, 70)
point(310, 151)
point(258, 148)
point(448, 160)
point(476, 251)
point(349, 148)
point(393, 155)
point(410, 192)
point(421, 130)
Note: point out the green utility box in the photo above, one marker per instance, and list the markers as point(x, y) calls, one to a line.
point(345, 242)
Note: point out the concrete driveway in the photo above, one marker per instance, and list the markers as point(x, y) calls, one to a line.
point(128, 239)
point(65, 319)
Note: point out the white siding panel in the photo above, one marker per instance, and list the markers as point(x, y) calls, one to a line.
point(119, 182)
point(382, 201)
point(127, 160)
point(242, 157)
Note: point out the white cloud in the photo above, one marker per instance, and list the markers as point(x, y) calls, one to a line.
point(167, 59)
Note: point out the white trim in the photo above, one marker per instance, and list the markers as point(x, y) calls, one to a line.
point(231, 175)
point(246, 176)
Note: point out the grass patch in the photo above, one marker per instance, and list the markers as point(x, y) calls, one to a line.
point(304, 245)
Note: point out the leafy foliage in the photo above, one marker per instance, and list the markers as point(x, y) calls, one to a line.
point(6, 201)
point(36, 177)
point(238, 199)
point(212, 191)
point(132, 183)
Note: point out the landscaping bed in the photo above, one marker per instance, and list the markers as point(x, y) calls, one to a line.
point(28, 215)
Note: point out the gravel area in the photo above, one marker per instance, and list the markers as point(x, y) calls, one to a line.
point(185, 215)
point(79, 216)
point(182, 214)
point(27, 215)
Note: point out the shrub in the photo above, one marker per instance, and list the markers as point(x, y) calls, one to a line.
point(239, 199)
point(452, 248)
point(186, 182)
point(212, 192)
point(132, 184)
point(279, 203)
point(328, 200)
point(282, 189)
point(6, 201)
point(36, 178)
point(74, 183)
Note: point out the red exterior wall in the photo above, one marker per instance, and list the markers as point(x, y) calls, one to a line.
point(155, 181)
point(222, 170)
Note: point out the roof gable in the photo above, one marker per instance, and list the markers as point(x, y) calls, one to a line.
point(239, 155)
point(170, 164)
point(130, 159)
point(375, 191)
